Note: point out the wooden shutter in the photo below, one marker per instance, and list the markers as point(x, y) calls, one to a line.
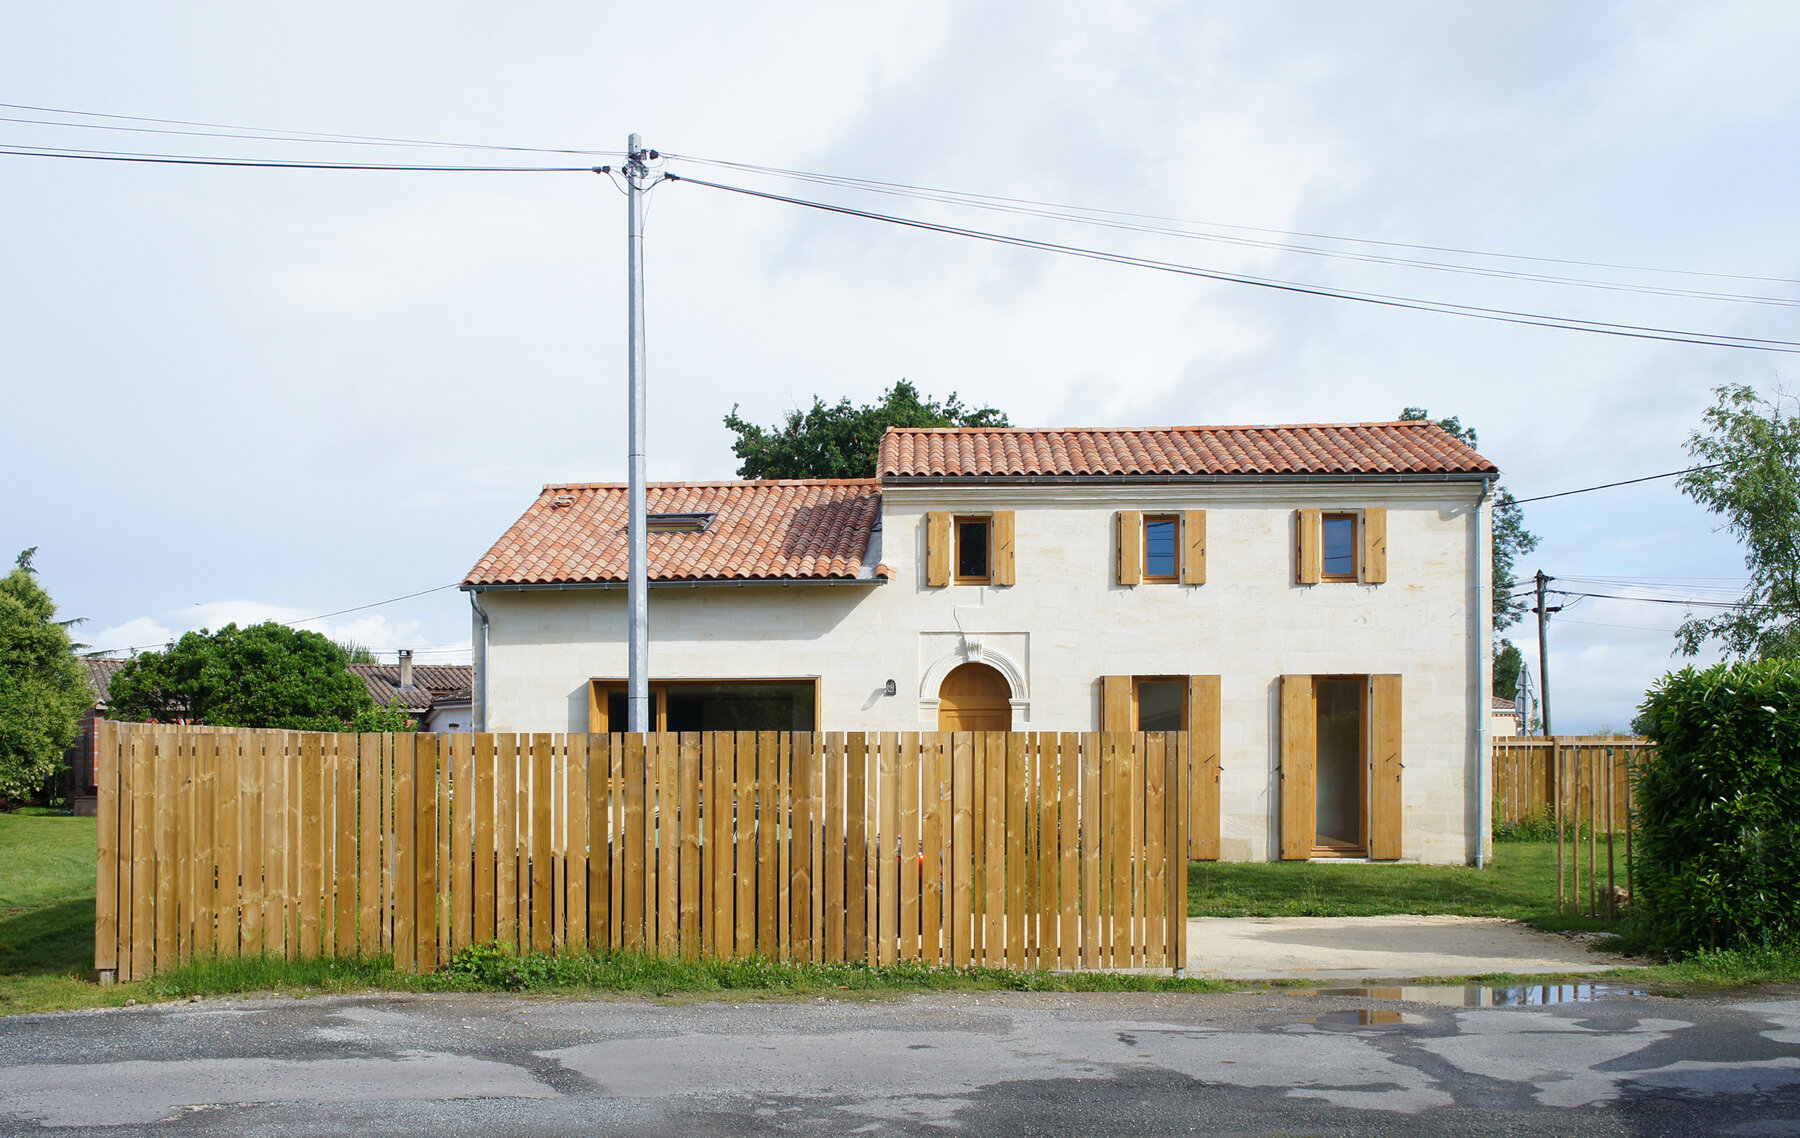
point(1193, 542)
point(1131, 546)
point(1374, 545)
point(596, 708)
point(1003, 547)
point(1385, 822)
point(937, 549)
point(1308, 557)
point(1299, 758)
point(1115, 704)
point(1203, 767)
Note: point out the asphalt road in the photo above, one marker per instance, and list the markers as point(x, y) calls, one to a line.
point(1012, 1064)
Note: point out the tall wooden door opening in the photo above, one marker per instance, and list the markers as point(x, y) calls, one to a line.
point(1340, 767)
point(974, 697)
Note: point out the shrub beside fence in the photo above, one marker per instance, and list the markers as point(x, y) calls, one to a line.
point(1581, 788)
point(1020, 850)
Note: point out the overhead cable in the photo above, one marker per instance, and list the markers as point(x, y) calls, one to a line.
point(1506, 316)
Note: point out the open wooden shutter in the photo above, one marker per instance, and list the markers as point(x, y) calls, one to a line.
point(596, 708)
point(1003, 547)
point(1308, 556)
point(1115, 704)
point(1131, 546)
point(1385, 822)
point(1374, 545)
point(1193, 552)
point(937, 549)
point(1299, 759)
point(1203, 767)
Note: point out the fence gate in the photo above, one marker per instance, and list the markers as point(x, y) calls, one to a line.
point(1018, 850)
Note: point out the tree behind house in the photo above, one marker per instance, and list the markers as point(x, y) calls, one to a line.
point(843, 440)
point(43, 689)
point(266, 675)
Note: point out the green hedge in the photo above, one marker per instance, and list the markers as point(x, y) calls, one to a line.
point(1718, 813)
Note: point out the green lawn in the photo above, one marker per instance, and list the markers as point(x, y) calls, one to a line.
point(1520, 886)
point(47, 913)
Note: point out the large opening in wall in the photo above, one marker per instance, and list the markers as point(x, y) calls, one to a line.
point(711, 705)
point(1341, 813)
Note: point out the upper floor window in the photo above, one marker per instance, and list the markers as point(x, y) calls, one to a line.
point(1338, 541)
point(974, 545)
point(1162, 551)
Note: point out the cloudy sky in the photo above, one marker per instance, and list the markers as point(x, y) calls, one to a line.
point(239, 394)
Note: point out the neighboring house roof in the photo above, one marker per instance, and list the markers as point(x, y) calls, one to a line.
point(100, 671)
point(1505, 705)
point(800, 529)
point(1414, 447)
point(432, 683)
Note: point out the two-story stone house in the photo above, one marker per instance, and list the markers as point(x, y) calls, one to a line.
point(1311, 602)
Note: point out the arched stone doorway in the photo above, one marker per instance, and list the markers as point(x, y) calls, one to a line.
point(974, 697)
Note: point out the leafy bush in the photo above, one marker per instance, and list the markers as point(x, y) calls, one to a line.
point(1719, 812)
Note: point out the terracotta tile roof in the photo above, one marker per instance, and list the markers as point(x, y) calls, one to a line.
point(1506, 705)
point(1305, 448)
point(431, 682)
point(764, 530)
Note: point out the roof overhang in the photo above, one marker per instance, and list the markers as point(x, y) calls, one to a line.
point(897, 481)
point(743, 582)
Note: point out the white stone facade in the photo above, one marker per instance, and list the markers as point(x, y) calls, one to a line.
point(1066, 623)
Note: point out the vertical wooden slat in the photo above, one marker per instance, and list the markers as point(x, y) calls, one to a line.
point(887, 849)
point(294, 752)
point(632, 918)
point(251, 853)
point(816, 794)
point(959, 877)
point(228, 844)
point(384, 824)
point(804, 821)
point(1014, 826)
point(911, 777)
point(1154, 812)
point(992, 750)
point(343, 808)
point(767, 863)
point(1121, 834)
point(327, 841)
point(934, 789)
point(106, 851)
point(425, 836)
point(668, 841)
point(1177, 786)
point(368, 844)
point(1092, 849)
point(688, 779)
point(1068, 851)
point(278, 788)
point(312, 841)
point(146, 818)
point(484, 888)
point(856, 837)
point(784, 846)
point(720, 806)
point(406, 851)
point(744, 843)
point(575, 842)
point(442, 894)
point(182, 746)
point(615, 743)
point(506, 840)
point(599, 839)
point(206, 854)
point(540, 813)
point(462, 841)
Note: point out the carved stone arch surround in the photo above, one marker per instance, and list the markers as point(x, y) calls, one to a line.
point(972, 651)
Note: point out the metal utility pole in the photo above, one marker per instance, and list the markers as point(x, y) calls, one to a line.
point(1543, 650)
point(637, 684)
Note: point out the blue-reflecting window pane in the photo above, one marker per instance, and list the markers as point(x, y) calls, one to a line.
point(1340, 546)
point(1159, 547)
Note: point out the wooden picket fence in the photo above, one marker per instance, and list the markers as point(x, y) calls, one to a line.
point(1581, 784)
point(1020, 850)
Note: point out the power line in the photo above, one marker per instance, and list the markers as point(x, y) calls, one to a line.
point(267, 163)
point(900, 187)
point(274, 134)
point(1501, 315)
point(300, 620)
point(1626, 482)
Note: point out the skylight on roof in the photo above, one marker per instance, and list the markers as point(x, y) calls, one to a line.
point(678, 523)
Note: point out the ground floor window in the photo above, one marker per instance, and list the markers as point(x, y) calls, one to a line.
point(711, 705)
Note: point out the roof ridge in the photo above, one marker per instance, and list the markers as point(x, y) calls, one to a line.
point(713, 483)
point(1157, 430)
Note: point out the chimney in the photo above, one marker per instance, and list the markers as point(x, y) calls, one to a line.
point(406, 668)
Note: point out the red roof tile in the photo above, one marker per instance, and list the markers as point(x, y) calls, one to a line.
point(766, 530)
point(1305, 448)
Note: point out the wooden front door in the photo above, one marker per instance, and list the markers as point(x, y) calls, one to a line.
point(974, 697)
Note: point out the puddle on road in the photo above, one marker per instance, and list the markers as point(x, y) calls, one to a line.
point(1368, 1017)
point(1484, 996)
